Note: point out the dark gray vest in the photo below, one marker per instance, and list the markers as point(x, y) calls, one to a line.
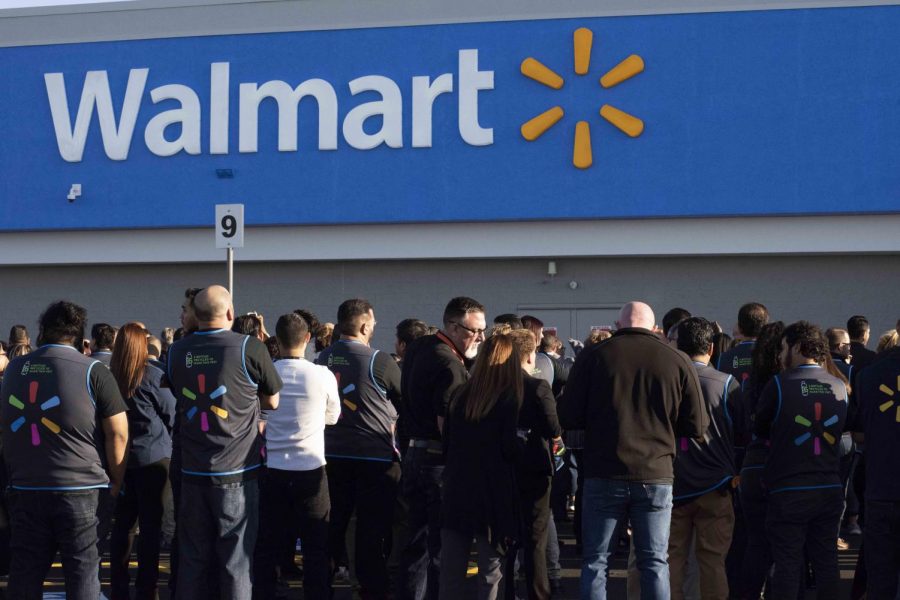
point(365, 429)
point(51, 437)
point(218, 408)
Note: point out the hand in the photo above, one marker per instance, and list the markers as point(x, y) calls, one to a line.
point(262, 325)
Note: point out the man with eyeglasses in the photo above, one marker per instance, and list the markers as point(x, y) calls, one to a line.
point(433, 368)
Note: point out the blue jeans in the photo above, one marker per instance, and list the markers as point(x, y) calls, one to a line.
point(420, 562)
point(43, 522)
point(217, 528)
point(649, 509)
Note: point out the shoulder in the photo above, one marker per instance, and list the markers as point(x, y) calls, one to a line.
point(249, 342)
point(444, 356)
point(708, 372)
point(384, 360)
point(320, 372)
point(440, 349)
point(322, 356)
point(15, 367)
point(536, 385)
point(153, 373)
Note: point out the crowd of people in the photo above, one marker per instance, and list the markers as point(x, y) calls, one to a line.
point(733, 466)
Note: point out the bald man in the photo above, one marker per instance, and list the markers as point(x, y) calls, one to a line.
point(221, 380)
point(633, 394)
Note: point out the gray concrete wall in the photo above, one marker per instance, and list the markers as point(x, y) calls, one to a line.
point(142, 19)
point(824, 289)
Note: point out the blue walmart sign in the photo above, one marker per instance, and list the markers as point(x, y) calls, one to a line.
point(751, 113)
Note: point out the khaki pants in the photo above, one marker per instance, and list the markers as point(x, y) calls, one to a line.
point(709, 518)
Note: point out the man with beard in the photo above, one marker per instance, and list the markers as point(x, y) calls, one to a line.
point(434, 366)
point(802, 412)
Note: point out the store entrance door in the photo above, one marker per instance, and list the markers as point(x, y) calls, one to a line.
point(573, 320)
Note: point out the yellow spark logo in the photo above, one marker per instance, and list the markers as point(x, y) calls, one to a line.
point(582, 157)
point(889, 393)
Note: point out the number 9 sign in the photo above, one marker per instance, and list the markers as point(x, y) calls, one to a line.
point(229, 225)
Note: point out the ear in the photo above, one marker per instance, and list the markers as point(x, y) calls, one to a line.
point(307, 338)
point(712, 348)
point(229, 314)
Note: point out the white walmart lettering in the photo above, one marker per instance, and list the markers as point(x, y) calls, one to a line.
point(117, 134)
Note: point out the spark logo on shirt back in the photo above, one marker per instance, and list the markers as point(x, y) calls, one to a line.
point(53, 402)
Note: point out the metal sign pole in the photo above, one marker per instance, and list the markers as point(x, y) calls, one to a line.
point(230, 235)
point(229, 257)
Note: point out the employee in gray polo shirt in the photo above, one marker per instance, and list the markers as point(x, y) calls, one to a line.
point(61, 412)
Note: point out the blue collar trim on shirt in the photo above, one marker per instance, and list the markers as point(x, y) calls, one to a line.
point(210, 332)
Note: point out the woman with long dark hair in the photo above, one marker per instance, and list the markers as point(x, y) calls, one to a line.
point(480, 492)
point(757, 557)
point(151, 414)
point(539, 430)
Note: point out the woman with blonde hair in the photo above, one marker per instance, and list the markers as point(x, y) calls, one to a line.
point(888, 340)
point(480, 495)
point(151, 415)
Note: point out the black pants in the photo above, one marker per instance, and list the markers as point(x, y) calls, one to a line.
point(175, 483)
point(805, 519)
point(300, 497)
point(563, 486)
point(848, 469)
point(882, 539)
point(757, 556)
point(141, 501)
point(578, 455)
point(420, 561)
point(368, 488)
point(534, 492)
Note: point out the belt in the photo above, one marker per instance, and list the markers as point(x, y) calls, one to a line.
point(432, 445)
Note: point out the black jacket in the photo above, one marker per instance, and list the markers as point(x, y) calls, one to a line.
point(633, 394)
point(861, 357)
point(432, 371)
point(539, 423)
point(480, 494)
point(877, 392)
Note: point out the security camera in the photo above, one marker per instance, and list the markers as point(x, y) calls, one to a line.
point(74, 192)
